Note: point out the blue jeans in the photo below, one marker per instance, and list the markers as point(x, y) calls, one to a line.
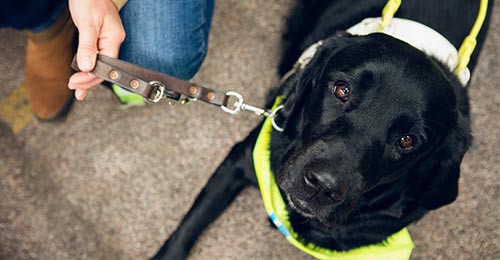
point(170, 36)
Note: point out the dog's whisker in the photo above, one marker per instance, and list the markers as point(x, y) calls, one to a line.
point(435, 122)
point(436, 136)
point(359, 214)
point(304, 222)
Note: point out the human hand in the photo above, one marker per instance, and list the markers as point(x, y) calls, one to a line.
point(100, 30)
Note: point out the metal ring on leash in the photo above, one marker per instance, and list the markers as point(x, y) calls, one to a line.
point(237, 104)
point(273, 117)
point(157, 93)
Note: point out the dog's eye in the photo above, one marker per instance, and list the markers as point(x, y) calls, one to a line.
point(407, 141)
point(342, 91)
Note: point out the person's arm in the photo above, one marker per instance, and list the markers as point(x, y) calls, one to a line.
point(100, 30)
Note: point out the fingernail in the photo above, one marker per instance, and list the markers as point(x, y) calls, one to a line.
point(86, 63)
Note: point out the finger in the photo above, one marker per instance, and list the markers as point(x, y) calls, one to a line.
point(85, 86)
point(82, 89)
point(83, 80)
point(87, 47)
point(82, 77)
point(80, 94)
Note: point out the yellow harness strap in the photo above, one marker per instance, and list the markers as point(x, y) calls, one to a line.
point(469, 43)
point(397, 246)
point(388, 12)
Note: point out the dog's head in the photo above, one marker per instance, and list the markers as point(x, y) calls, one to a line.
point(369, 113)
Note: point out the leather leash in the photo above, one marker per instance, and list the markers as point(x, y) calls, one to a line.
point(155, 86)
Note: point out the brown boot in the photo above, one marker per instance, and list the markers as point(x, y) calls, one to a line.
point(47, 70)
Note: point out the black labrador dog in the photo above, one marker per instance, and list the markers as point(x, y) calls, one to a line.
point(374, 130)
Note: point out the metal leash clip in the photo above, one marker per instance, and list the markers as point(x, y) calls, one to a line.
point(240, 105)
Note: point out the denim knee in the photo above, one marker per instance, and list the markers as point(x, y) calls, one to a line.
point(183, 63)
point(172, 40)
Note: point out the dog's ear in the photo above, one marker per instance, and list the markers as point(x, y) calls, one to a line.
point(296, 87)
point(442, 169)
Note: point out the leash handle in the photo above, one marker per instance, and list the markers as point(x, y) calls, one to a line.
point(152, 85)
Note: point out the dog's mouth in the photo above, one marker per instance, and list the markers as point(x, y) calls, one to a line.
point(303, 209)
point(300, 206)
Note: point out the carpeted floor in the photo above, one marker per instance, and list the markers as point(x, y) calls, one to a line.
point(113, 184)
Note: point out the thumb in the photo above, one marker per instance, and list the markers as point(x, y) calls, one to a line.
point(87, 48)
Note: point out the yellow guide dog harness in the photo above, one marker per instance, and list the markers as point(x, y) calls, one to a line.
point(398, 245)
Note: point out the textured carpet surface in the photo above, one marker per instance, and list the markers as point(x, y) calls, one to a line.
point(113, 184)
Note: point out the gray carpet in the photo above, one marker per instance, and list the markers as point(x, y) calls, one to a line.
point(113, 184)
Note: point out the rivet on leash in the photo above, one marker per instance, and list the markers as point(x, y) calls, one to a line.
point(211, 96)
point(193, 90)
point(114, 74)
point(134, 83)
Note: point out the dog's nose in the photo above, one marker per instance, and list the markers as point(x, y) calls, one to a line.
point(327, 188)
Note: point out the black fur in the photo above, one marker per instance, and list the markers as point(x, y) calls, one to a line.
point(347, 180)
